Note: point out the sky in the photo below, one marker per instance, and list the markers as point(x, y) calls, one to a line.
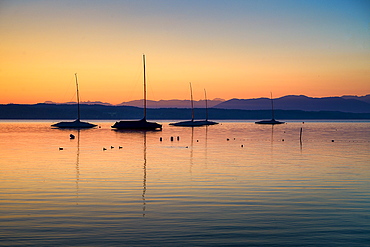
point(232, 48)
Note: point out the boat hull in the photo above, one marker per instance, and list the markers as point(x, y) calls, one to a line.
point(272, 121)
point(193, 123)
point(77, 124)
point(137, 125)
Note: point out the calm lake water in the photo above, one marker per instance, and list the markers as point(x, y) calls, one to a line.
point(232, 184)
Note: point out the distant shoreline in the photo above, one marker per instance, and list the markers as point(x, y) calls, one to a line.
point(102, 112)
point(220, 121)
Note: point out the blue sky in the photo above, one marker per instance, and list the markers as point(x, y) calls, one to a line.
point(240, 49)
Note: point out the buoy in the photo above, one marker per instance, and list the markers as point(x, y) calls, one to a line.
point(171, 138)
point(111, 147)
point(282, 140)
point(60, 148)
point(227, 139)
point(242, 145)
point(72, 136)
point(104, 149)
point(332, 140)
point(197, 140)
point(120, 147)
point(178, 138)
point(160, 139)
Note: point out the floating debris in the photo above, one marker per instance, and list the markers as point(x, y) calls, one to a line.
point(60, 148)
point(104, 149)
point(72, 136)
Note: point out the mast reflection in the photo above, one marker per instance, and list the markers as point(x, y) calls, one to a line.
point(144, 176)
point(77, 166)
point(192, 146)
point(206, 146)
point(272, 134)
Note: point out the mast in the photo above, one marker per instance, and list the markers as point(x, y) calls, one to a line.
point(144, 88)
point(205, 96)
point(78, 99)
point(272, 107)
point(192, 103)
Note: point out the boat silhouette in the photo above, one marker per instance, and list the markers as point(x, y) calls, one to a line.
point(272, 121)
point(207, 122)
point(142, 124)
point(77, 124)
point(192, 122)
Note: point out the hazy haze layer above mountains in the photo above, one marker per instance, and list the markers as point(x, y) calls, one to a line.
point(347, 103)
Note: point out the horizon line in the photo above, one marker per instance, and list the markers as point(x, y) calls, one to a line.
point(200, 100)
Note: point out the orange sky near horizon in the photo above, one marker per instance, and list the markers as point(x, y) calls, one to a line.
point(246, 49)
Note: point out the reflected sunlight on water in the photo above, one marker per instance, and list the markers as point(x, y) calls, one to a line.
point(229, 184)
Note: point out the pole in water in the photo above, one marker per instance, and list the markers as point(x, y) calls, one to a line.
point(300, 135)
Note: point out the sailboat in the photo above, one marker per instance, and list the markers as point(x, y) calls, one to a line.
point(138, 124)
point(77, 124)
point(207, 122)
point(272, 121)
point(192, 122)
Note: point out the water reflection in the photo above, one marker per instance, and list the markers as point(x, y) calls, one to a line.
point(191, 148)
point(77, 162)
point(272, 145)
point(206, 146)
point(144, 175)
point(239, 198)
point(77, 166)
point(272, 135)
point(138, 137)
point(300, 138)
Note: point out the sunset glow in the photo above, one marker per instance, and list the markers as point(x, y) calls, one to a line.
point(234, 49)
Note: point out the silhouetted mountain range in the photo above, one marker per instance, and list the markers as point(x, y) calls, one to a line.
point(347, 103)
point(173, 103)
point(88, 111)
point(352, 104)
point(287, 107)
